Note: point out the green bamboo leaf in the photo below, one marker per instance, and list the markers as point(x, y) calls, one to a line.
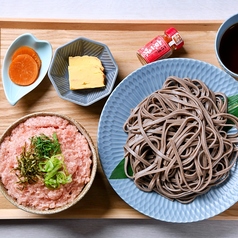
point(233, 105)
point(119, 173)
point(232, 109)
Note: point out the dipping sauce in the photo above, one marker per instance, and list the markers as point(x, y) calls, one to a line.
point(228, 50)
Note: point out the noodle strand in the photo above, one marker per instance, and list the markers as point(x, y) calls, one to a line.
point(177, 144)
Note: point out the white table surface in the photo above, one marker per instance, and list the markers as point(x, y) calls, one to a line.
point(133, 10)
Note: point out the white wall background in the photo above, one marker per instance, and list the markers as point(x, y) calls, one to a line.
point(120, 9)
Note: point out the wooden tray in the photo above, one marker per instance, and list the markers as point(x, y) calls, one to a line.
point(123, 39)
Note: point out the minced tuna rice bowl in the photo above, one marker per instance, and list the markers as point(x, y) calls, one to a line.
point(45, 162)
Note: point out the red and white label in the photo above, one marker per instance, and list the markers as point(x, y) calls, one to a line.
point(156, 49)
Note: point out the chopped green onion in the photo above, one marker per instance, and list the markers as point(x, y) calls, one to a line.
point(42, 159)
point(55, 172)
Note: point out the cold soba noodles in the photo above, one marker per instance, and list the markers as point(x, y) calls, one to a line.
point(177, 144)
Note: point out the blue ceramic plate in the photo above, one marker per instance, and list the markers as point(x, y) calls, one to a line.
point(58, 71)
point(111, 139)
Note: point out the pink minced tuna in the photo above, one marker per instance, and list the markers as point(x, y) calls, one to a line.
point(77, 155)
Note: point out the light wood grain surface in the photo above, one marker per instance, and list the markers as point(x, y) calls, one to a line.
point(123, 39)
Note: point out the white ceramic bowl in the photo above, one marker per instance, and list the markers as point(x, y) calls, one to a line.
point(43, 48)
point(58, 71)
point(222, 29)
point(94, 158)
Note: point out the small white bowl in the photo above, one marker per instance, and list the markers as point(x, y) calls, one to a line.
point(222, 29)
point(43, 48)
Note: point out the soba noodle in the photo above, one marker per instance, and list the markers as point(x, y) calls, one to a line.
point(177, 145)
